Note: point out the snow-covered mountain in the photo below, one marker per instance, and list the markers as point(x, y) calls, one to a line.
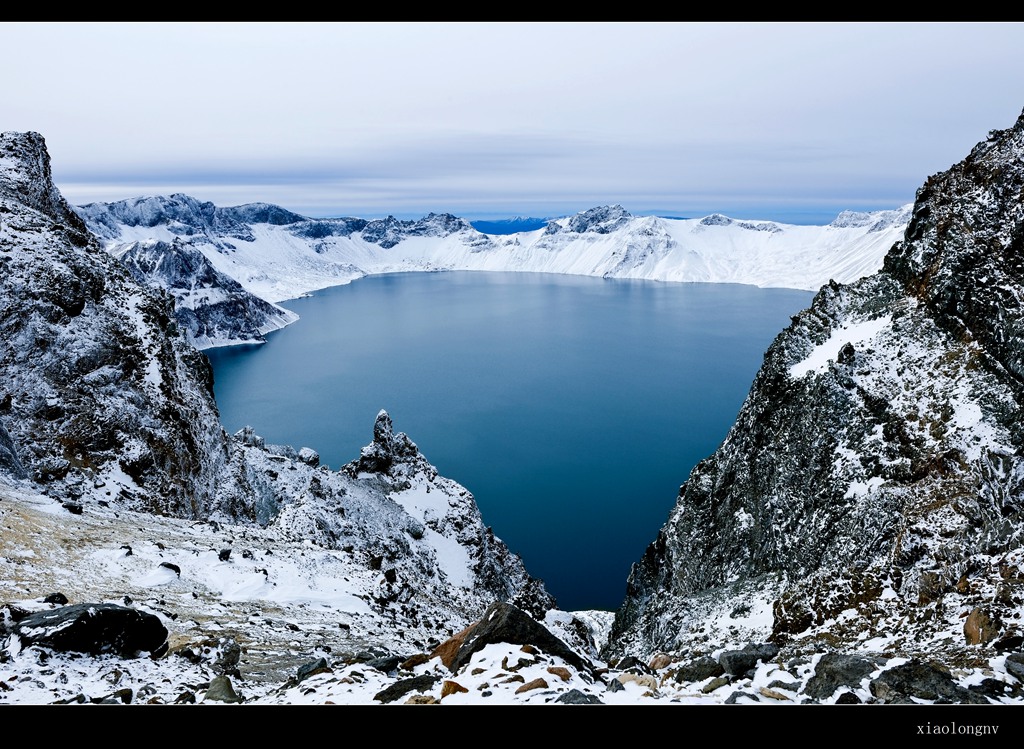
point(211, 308)
point(277, 255)
point(870, 496)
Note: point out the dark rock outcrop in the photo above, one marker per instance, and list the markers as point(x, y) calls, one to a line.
point(385, 451)
point(93, 379)
point(94, 628)
point(505, 623)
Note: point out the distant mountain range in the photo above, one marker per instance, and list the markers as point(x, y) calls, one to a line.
point(276, 255)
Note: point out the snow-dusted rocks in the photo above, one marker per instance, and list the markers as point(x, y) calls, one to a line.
point(211, 309)
point(94, 387)
point(870, 493)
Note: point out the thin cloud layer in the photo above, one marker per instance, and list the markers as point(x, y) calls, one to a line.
point(783, 121)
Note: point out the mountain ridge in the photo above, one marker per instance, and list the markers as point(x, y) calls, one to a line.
point(304, 255)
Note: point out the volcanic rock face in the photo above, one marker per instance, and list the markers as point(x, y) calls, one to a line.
point(94, 385)
point(184, 216)
point(874, 470)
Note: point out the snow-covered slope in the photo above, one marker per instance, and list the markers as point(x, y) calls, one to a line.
point(277, 261)
point(870, 495)
point(211, 308)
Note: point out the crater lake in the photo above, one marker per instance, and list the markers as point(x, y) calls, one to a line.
point(571, 407)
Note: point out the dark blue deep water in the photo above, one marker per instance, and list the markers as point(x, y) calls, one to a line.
point(572, 407)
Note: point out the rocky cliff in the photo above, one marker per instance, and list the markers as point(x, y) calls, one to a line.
point(97, 389)
point(871, 488)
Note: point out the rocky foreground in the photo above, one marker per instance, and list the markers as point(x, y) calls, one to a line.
point(200, 612)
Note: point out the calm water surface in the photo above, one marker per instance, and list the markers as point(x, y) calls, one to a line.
point(572, 407)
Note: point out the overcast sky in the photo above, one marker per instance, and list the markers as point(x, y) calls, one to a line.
point(792, 122)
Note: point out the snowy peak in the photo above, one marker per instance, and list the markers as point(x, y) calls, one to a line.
point(25, 176)
point(600, 220)
point(389, 231)
point(875, 220)
point(180, 215)
point(717, 219)
point(185, 216)
point(261, 213)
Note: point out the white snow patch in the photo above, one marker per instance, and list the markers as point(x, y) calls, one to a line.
point(853, 333)
point(863, 488)
point(453, 558)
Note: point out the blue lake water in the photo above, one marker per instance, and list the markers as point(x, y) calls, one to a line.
point(571, 407)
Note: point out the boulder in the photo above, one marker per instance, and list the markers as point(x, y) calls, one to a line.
point(503, 622)
point(699, 669)
point(739, 662)
point(836, 670)
point(401, 688)
point(531, 685)
point(451, 687)
point(576, 697)
point(312, 668)
point(925, 681)
point(221, 690)
point(560, 671)
point(1015, 665)
point(981, 627)
point(93, 628)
